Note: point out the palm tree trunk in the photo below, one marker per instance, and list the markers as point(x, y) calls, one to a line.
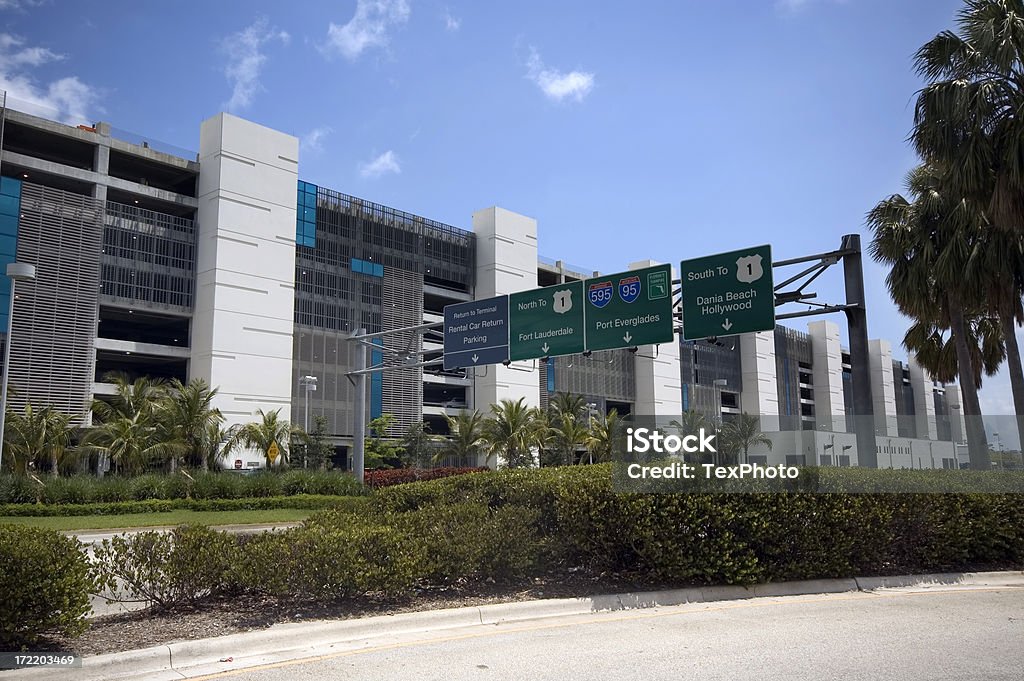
point(977, 443)
point(1016, 372)
point(174, 464)
point(54, 471)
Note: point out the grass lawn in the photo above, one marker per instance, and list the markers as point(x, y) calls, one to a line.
point(105, 522)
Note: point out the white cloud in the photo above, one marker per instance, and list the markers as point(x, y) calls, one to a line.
point(451, 23)
point(314, 139)
point(19, 5)
point(67, 99)
point(368, 27)
point(246, 59)
point(382, 165)
point(558, 85)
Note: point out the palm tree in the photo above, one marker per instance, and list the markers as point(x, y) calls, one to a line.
point(691, 424)
point(141, 396)
point(39, 435)
point(132, 442)
point(927, 243)
point(936, 352)
point(743, 433)
point(1000, 266)
point(211, 447)
point(572, 404)
point(605, 435)
point(467, 436)
point(269, 430)
point(129, 428)
point(569, 432)
point(969, 118)
point(510, 432)
point(189, 412)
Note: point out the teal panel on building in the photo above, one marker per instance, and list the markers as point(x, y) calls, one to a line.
point(305, 215)
point(10, 210)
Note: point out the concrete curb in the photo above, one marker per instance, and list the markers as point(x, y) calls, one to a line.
point(308, 639)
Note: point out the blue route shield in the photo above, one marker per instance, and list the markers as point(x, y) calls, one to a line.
point(629, 288)
point(600, 294)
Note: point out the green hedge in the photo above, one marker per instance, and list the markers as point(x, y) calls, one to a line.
point(46, 585)
point(299, 501)
point(86, 489)
point(745, 538)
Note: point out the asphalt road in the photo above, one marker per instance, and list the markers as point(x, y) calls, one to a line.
point(892, 635)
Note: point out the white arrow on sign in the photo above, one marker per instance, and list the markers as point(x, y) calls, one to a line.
point(475, 357)
point(727, 325)
point(627, 337)
point(544, 348)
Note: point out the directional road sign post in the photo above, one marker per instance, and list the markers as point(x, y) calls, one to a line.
point(728, 293)
point(476, 333)
point(546, 322)
point(629, 308)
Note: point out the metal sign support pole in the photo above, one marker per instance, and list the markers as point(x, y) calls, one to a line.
point(857, 325)
point(359, 409)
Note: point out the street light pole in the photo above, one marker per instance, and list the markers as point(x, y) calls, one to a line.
point(16, 271)
point(309, 383)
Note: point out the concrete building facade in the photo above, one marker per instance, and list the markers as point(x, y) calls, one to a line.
point(228, 265)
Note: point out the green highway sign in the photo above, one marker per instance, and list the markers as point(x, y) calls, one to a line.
point(728, 293)
point(630, 308)
point(546, 322)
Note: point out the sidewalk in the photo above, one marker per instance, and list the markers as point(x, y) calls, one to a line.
point(295, 641)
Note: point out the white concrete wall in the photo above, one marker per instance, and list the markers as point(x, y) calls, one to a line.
point(883, 390)
point(924, 400)
point(760, 395)
point(245, 270)
point(827, 373)
point(659, 389)
point(506, 262)
point(894, 452)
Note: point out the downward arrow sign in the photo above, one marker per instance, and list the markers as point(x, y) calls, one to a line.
point(627, 337)
point(544, 348)
point(475, 358)
point(727, 325)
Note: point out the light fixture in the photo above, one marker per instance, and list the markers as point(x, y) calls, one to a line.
point(25, 175)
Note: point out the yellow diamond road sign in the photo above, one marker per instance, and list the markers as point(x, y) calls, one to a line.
point(273, 452)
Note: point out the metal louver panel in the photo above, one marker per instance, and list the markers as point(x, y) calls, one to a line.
point(401, 307)
point(55, 316)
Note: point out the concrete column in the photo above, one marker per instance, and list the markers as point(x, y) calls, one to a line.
point(760, 395)
point(245, 269)
point(506, 262)
point(883, 390)
point(827, 372)
point(659, 391)
point(924, 400)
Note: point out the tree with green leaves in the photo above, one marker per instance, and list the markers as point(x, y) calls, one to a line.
point(129, 429)
point(510, 433)
point(466, 441)
point(318, 450)
point(39, 436)
point(569, 434)
point(189, 412)
point(969, 116)
point(380, 451)
point(927, 242)
point(742, 433)
point(418, 445)
point(691, 423)
point(606, 437)
point(270, 429)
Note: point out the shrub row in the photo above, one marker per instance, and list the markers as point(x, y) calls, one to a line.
point(514, 524)
point(84, 489)
point(299, 501)
point(47, 582)
point(399, 476)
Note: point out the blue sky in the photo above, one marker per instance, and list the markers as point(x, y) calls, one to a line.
point(662, 130)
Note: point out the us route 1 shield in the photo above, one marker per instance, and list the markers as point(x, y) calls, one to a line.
point(476, 333)
point(728, 293)
point(629, 308)
point(546, 322)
